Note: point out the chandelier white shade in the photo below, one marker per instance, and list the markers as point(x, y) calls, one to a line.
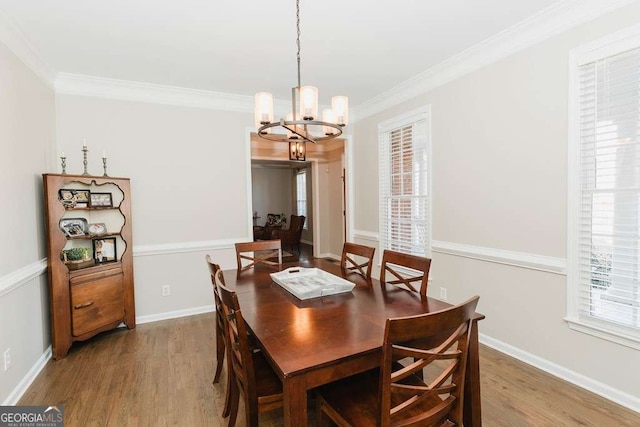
point(303, 123)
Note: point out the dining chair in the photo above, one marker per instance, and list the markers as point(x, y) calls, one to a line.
point(221, 347)
point(391, 260)
point(394, 394)
point(253, 377)
point(262, 251)
point(352, 264)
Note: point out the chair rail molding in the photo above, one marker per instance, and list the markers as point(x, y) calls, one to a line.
point(500, 256)
point(184, 247)
point(554, 20)
point(16, 279)
point(365, 235)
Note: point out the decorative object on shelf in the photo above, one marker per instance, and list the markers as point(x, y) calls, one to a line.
point(97, 229)
point(82, 198)
point(104, 163)
point(101, 200)
point(104, 250)
point(84, 156)
point(63, 160)
point(67, 198)
point(74, 227)
point(302, 123)
point(76, 257)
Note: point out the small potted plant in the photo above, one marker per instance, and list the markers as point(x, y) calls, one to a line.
point(76, 257)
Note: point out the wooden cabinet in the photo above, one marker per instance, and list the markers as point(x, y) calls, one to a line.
point(90, 256)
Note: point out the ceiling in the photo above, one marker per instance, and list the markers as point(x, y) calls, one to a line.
point(356, 48)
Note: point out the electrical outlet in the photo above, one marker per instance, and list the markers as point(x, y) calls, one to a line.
point(443, 294)
point(166, 290)
point(7, 359)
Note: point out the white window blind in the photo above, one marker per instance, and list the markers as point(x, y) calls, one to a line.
point(301, 194)
point(404, 180)
point(606, 270)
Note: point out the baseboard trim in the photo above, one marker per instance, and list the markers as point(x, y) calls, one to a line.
point(21, 388)
point(499, 256)
point(330, 255)
point(174, 314)
point(622, 398)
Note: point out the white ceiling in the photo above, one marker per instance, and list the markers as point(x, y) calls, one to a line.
point(356, 48)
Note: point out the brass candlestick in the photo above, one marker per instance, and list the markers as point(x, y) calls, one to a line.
point(104, 166)
point(63, 160)
point(84, 161)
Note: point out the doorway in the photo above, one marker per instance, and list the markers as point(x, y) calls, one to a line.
point(325, 191)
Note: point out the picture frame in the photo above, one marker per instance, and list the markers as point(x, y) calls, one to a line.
point(74, 227)
point(82, 198)
point(101, 200)
point(97, 229)
point(104, 250)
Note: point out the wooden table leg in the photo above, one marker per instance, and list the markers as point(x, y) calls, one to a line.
point(472, 408)
point(295, 401)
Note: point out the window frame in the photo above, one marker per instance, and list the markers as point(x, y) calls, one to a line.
point(605, 47)
point(384, 132)
point(303, 172)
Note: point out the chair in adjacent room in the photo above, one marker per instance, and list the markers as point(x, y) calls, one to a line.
point(255, 253)
point(253, 377)
point(391, 260)
point(394, 394)
point(274, 222)
point(221, 347)
point(356, 257)
point(291, 236)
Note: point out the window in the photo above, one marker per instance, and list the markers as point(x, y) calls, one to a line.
point(301, 194)
point(404, 183)
point(604, 232)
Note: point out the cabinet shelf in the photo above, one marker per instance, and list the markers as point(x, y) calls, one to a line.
point(96, 208)
point(92, 236)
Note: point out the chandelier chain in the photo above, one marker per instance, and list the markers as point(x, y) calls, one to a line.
point(298, 36)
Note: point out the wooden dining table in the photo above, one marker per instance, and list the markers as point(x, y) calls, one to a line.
point(317, 341)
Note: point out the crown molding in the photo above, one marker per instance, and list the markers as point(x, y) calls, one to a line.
point(547, 23)
point(126, 90)
point(17, 43)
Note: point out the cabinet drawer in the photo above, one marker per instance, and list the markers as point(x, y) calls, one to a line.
point(96, 300)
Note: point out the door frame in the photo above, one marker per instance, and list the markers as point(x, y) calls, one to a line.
point(348, 163)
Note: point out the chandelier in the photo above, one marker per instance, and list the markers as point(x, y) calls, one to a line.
point(301, 125)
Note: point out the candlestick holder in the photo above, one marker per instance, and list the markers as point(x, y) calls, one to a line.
point(63, 160)
point(84, 161)
point(104, 166)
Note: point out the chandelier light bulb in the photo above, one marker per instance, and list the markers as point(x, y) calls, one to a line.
point(340, 107)
point(308, 102)
point(263, 107)
point(327, 116)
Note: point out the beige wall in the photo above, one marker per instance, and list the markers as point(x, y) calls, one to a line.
point(188, 170)
point(499, 179)
point(27, 131)
point(272, 192)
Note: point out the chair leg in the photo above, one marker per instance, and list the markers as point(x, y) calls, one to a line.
point(230, 380)
point(234, 402)
point(220, 352)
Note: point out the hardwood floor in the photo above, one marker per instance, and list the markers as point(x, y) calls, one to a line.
point(160, 374)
